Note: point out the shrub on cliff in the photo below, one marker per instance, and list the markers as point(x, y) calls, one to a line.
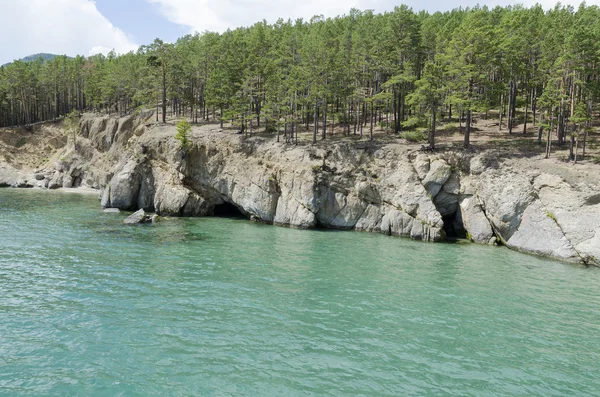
point(183, 129)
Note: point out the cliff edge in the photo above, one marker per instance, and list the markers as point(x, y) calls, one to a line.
point(533, 205)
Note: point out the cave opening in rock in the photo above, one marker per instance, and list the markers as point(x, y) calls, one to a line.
point(319, 225)
point(453, 227)
point(228, 210)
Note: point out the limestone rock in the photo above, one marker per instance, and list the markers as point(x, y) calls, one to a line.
point(293, 213)
point(384, 188)
point(474, 221)
point(504, 197)
point(438, 174)
point(56, 181)
point(539, 233)
point(422, 165)
point(105, 197)
point(174, 200)
point(137, 217)
point(125, 187)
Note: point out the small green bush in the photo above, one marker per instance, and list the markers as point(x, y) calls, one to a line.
point(21, 142)
point(413, 136)
point(448, 127)
point(183, 129)
point(413, 122)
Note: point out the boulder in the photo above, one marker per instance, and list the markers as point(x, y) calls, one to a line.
point(504, 197)
point(125, 187)
point(474, 221)
point(137, 217)
point(177, 200)
point(437, 176)
point(56, 181)
point(539, 233)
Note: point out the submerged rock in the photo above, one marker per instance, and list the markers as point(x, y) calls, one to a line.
point(137, 217)
point(112, 210)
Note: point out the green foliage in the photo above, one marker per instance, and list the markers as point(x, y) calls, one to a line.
point(22, 141)
point(581, 114)
point(414, 122)
point(183, 130)
point(417, 64)
point(71, 125)
point(448, 127)
point(413, 136)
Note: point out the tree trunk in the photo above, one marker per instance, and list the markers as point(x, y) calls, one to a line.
point(549, 141)
point(387, 116)
point(395, 110)
point(316, 125)
point(164, 96)
point(526, 105)
point(467, 142)
point(511, 107)
point(371, 127)
point(533, 105)
point(324, 133)
point(432, 130)
point(585, 134)
point(572, 148)
point(501, 112)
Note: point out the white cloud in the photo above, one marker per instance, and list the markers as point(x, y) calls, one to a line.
point(68, 27)
point(201, 15)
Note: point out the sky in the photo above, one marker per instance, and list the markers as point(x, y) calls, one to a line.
point(88, 27)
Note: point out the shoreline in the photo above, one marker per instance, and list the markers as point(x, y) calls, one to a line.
point(84, 190)
point(548, 209)
point(88, 191)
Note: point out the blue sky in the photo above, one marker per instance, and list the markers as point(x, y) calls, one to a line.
point(88, 27)
point(141, 20)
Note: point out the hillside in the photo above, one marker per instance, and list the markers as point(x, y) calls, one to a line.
point(45, 56)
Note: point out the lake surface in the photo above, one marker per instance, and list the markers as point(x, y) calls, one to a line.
point(225, 307)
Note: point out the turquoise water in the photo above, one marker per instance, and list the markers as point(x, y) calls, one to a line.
point(224, 307)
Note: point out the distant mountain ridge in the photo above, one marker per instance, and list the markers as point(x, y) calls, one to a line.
point(34, 57)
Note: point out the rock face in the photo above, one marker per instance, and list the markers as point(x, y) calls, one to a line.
point(388, 189)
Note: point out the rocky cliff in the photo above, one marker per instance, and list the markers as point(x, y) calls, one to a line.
point(532, 205)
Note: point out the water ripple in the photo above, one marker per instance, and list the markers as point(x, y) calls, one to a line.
point(224, 307)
